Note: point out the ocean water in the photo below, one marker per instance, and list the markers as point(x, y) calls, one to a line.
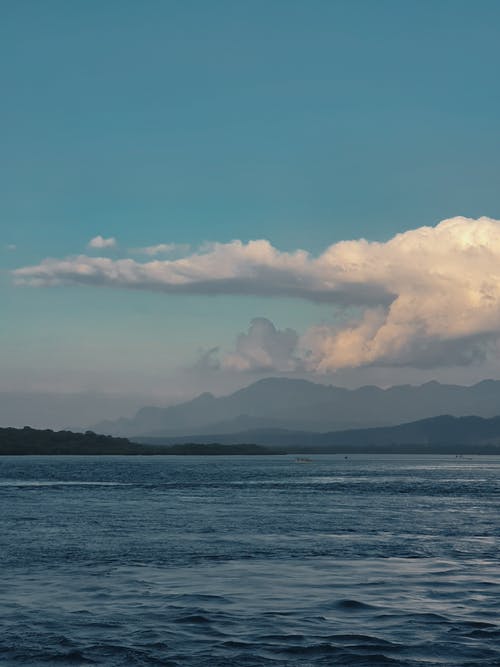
point(229, 561)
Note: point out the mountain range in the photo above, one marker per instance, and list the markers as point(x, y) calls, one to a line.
point(436, 435)
point(300, 405)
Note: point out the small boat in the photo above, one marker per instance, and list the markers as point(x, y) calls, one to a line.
point(303, 459)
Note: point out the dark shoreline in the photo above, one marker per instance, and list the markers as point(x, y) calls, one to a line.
point(228, 451)
point(31, 442)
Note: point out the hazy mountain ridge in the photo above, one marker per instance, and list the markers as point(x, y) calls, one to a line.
point(300, 405)
point(444, 434)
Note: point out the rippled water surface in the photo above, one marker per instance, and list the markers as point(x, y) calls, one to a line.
point(249, 561)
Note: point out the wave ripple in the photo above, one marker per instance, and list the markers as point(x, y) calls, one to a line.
point(249, 561)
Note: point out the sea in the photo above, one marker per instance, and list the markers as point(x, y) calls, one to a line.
point(249, 561)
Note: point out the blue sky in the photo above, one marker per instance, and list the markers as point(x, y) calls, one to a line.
point(187, 122)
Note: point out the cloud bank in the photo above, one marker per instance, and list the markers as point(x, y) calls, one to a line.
point(428, 296)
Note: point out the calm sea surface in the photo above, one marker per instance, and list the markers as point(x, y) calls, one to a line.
point(195, 561)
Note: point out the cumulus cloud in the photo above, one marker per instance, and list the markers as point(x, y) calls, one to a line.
point(11, 246)
point(255, 268)
point(99, 242)
point(264, 348)
point(428, 295)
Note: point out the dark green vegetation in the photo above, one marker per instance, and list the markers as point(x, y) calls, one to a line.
point(29, 441)
point(33, 441)
point(215, 449)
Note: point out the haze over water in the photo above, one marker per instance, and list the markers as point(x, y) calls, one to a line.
point(251, 561)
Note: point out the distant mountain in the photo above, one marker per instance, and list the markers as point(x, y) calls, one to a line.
point(444, 434)
point(299, 405)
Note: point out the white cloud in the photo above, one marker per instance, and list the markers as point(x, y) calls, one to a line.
point(264, 348)
point(255, 267)
point(11, 246)
point(161, 249)
point(100, 242)
point(429, 295)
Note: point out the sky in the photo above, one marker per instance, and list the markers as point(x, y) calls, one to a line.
point(194, 195)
